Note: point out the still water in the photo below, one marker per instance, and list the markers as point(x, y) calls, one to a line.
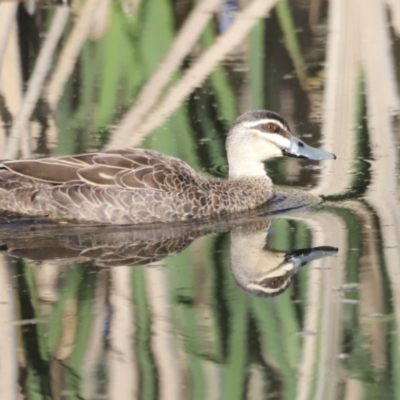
point(297, 301)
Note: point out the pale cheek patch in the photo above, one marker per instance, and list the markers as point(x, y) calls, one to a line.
point(278, 140)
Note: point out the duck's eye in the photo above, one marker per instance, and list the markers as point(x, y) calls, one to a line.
point(272, 128)
point(274, 283)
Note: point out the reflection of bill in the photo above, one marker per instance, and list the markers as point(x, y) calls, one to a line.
point(262, 271)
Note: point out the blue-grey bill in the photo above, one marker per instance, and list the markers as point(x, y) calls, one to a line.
point(299, 149)
point(304, 256)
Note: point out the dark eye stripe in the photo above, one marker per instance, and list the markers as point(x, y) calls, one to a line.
point(270, 127)
point(277, 281)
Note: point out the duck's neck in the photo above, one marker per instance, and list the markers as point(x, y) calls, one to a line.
point(245, 157)
point(246, 169)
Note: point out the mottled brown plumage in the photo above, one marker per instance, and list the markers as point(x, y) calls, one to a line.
point(144, 186)
point(122, 186)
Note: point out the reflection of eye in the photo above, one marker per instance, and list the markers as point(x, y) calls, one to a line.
point(274, 283)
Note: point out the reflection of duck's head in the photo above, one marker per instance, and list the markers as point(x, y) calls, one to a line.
point(263, 272)
point(259, 135)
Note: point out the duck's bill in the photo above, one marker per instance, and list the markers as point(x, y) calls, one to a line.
point(304, 256)
point(299, 149)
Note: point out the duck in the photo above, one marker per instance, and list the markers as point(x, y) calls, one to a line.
point(139, 186)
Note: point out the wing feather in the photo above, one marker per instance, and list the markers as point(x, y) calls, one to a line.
point(132, 169)
point(99, 175)
point(114, 160)
point(47, 170)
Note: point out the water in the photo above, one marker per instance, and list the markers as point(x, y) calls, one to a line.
point(223, 309)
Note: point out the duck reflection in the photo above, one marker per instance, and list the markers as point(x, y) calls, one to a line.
point(262, 271)
point(257, 269)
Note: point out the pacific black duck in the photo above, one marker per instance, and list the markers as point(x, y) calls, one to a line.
point(135, 186)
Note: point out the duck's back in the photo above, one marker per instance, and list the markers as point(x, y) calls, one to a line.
point(118, 187)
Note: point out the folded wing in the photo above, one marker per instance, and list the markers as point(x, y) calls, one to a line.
point(130, 169)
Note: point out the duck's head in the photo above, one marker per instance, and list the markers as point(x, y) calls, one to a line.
point(259, 135)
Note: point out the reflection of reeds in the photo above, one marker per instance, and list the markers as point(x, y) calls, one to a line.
point(36, 82)
point(354, 389)
point(7, 20)
point(164, 341)
point(394, 7)
point(342, 72)
point(323, 322)
point(382, 100)
point(101, 20)
point(199, 71)
point(363, 43)
point(71, 51)
point(94, 351)
point(180, 48)
point(11, 85)
point(200, 339)
point(8, 335)
point(331, 328)
point(291, 41)
point(371, 281)
point(121, 363)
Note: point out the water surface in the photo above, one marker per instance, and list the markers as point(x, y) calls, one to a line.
point(222, 310)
